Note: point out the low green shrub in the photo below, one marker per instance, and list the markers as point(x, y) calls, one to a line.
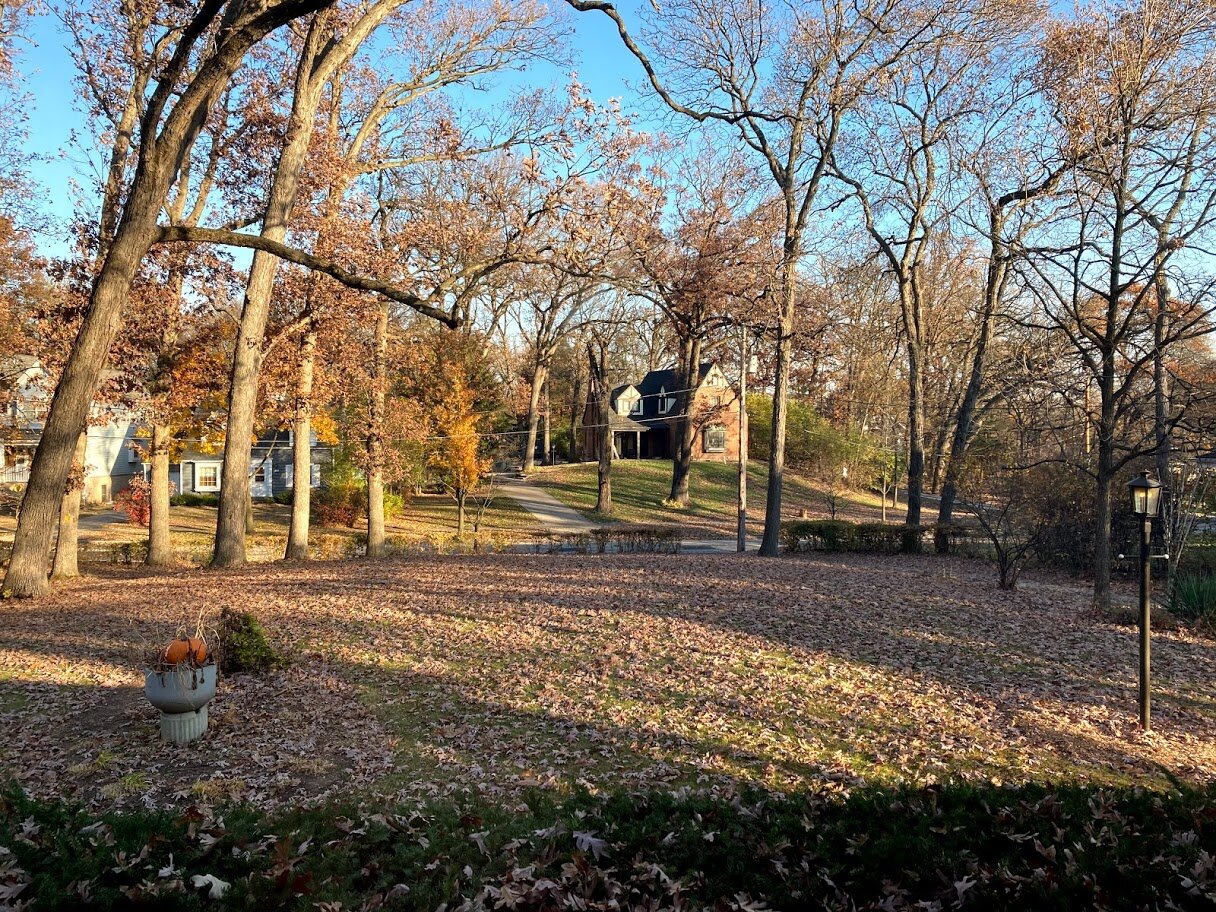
point(195, 500)
point(950, 845)
point(619, 539)
point(1194, 599)
point(818, 535)
point(394, 505)
point(130, 553)
point(243, 644)
point(284, 497)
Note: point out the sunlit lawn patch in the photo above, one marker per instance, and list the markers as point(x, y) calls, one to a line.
point(428, 676)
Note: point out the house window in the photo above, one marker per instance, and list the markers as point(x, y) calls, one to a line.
point(715, 439)
point(208, 478)
point(132, 453)
point(636, 408)
point(715, 401)
point(664, 402)
point(259, 475)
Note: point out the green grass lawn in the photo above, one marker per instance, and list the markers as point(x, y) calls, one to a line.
point(429, 515)
point(640, 488)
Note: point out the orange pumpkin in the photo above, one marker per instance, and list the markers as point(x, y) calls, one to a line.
point(186, 649)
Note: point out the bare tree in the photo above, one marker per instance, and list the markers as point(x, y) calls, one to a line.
point(548, 310)
point(903, 169)
point(781, 79)
point(1135, 84)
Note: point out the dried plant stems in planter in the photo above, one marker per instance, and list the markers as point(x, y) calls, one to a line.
point(181, 682)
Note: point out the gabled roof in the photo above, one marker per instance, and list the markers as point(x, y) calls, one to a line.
point(668, 379)
point(651, 388)
point(625, 423)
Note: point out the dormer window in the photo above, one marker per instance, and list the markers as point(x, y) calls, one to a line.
point(636, 408)
point(664, 401)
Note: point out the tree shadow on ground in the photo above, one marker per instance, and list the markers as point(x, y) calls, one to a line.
point(637, 669)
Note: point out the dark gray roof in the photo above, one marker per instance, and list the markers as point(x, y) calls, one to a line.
point(652, 385)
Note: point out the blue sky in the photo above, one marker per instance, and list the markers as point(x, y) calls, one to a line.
point(602, 64)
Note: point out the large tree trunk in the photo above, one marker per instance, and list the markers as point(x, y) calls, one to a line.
point(27, 572)
point(913, 336)
point(546, 457)
point(964, 427)
point(916, 425)
point(689, 374)
point(1162, 428)
point(247, 358)
point(1105, 481)
point(577, 408)
point(1102, 533)
point(67, 546)
point(539, 376)
point(375, 439)
point(161, 155)
point(160, 550)
point(598, 364)
point(301, 450)
point(1163, 444)
point(770, 544)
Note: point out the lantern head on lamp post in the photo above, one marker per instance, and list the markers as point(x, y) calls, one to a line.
point(1146, 495)
point(1146, 501)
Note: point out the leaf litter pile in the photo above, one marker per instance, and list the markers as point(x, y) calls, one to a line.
point(493, 679)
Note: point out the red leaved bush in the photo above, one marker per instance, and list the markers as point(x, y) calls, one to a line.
point(135, 500)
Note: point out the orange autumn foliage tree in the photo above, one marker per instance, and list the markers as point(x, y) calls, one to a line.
point(456, 458)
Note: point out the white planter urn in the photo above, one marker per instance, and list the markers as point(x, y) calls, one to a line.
point(181, 693)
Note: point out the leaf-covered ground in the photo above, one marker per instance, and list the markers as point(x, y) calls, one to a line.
point(425, 677)
point(428, 520)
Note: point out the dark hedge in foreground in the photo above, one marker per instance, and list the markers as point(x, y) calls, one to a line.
point(943, 847)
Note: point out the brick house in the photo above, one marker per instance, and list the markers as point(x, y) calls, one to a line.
point(643, 417)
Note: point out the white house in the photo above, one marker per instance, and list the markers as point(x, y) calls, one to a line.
point(111, 455)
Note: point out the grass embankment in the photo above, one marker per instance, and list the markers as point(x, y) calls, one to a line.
point(640, 490)
point(1028, 847)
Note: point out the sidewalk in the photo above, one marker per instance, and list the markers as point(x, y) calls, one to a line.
point(554, 516)
point(550, 512)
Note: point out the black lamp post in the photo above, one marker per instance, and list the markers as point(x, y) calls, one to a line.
point(1146, 496)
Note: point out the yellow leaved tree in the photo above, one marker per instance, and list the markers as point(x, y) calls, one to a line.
point(455, 454)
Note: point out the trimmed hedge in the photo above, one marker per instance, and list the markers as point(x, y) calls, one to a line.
point(620, 539)
point(870, 538)
point(195, 500)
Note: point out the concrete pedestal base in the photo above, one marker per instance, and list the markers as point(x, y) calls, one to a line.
point(182, 728)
